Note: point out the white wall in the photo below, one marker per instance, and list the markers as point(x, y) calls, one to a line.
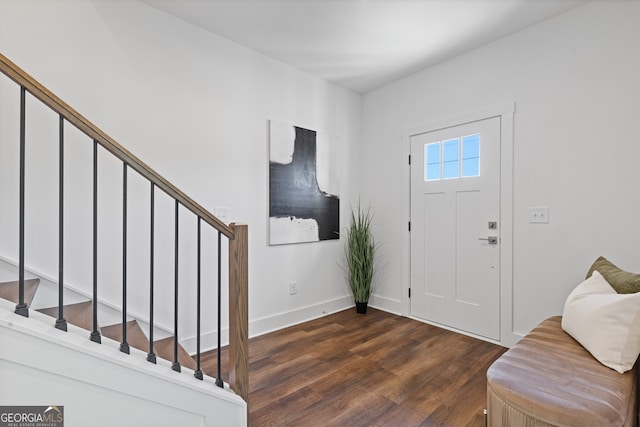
point(574, 79)
point(193, 106)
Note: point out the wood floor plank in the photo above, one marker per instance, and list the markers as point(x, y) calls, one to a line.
point(377, 369)
point(277, 412)
point(337, 410)
point(400, 415)
point(267, 383)
point(371, 404)
point(448, 414)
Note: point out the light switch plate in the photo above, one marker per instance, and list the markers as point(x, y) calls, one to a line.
point(539, 215)
point(222, 214)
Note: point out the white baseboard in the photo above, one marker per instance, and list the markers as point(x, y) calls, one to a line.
point(208, 341)
point(272, 323)
point(386, 304)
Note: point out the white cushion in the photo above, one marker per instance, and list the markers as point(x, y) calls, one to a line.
point(605, 322)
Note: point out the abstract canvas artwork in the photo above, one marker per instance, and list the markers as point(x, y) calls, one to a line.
point(304, 200)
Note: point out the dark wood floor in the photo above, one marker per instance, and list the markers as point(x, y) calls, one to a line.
point(376, 369)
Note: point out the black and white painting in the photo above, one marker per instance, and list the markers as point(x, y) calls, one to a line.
point(304, 200)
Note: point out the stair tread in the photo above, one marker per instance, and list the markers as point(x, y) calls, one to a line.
point(135, 335)
point(164, 349)
point(79, 314)
point(9, 290)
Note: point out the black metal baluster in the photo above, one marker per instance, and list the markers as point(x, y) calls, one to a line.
point(124, 345)
point(219, 381)
point(95, 334)
point(151, 356)
point(175, 365)
point(21, 307)
point(198, 371)
point(61, 323)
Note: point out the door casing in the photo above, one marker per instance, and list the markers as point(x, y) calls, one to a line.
point(506, 113)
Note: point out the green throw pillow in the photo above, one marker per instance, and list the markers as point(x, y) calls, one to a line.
point(622, 281)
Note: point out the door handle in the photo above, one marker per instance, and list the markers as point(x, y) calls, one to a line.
point(492, 240)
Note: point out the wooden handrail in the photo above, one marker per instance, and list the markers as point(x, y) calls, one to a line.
point(19, 76)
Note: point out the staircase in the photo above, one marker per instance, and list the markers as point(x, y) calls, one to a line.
point(81, 315)
point(129, 369)
point(98, 385)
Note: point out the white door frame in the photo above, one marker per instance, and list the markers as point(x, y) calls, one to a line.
point(505, 112)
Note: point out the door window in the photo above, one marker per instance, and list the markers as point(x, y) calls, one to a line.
point(452, 158)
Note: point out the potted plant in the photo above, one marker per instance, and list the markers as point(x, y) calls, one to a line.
point(360, 251)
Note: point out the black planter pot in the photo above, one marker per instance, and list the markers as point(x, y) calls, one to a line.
point(361, 307)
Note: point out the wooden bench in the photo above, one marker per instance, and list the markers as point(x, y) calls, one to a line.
point(549, 379)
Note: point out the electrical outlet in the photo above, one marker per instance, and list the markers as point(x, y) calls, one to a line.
point(293, 288)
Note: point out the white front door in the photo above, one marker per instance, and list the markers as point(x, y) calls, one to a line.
point(455, 228)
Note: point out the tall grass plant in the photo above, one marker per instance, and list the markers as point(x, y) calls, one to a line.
point(360, 253)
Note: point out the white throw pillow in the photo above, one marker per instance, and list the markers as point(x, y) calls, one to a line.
point(605, 322)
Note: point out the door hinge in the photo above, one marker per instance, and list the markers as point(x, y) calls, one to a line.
point(409, 158)
point(409, 292)
point(409, 225)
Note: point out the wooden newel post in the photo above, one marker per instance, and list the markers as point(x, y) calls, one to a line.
point(239, 311)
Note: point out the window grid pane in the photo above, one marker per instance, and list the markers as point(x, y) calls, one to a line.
point(471, 155)
point(432, 161)
point(451, 155)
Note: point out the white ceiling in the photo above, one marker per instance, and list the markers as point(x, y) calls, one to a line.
point(363, 44)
